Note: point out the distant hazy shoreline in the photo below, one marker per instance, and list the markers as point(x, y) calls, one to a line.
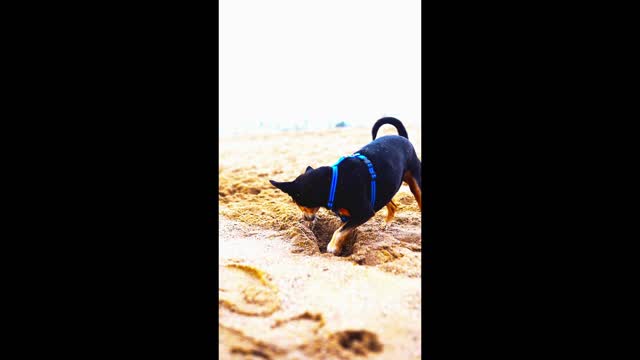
point(288, 128)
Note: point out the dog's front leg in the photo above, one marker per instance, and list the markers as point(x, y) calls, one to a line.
point(344, 232)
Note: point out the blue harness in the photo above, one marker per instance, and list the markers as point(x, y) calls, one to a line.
point(334, 182)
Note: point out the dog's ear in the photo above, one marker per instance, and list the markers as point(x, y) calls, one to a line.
point(309, 168)
point(284, 186)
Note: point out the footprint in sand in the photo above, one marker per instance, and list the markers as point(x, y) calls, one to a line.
point(246, 290)
point(315, 320)
point(346, 344)
point(359, 342)
point(296, 331)
point(286, 341)
point(298, 338)
point(234, 344)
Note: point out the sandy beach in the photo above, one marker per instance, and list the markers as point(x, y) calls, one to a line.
point(281, 295)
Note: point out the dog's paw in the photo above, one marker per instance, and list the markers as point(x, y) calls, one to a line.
point(332, 249)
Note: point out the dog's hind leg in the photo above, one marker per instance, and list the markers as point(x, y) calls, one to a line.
point(413, 178)
point(391, 213)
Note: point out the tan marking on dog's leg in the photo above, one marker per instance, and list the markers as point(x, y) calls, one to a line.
point(391, 213)
point(414, 187)
point(338, 239)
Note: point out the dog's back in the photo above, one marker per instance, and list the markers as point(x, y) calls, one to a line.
point(393, 157)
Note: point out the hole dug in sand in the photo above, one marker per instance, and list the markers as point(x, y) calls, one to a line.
point(313, 238)
point(367, 245)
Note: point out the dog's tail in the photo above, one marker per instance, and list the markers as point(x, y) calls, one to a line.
point(392, 121)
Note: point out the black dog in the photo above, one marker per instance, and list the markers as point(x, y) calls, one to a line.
point(393, 160)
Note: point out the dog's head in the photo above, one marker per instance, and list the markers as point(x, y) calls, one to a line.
point(302, 193)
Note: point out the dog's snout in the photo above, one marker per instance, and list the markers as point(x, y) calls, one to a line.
point(309, 214)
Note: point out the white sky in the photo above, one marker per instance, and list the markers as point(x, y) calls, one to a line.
point(323, 61)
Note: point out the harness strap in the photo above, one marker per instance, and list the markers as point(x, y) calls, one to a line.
point(334, 182)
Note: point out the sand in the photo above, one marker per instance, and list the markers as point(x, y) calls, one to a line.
point(281, 295)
